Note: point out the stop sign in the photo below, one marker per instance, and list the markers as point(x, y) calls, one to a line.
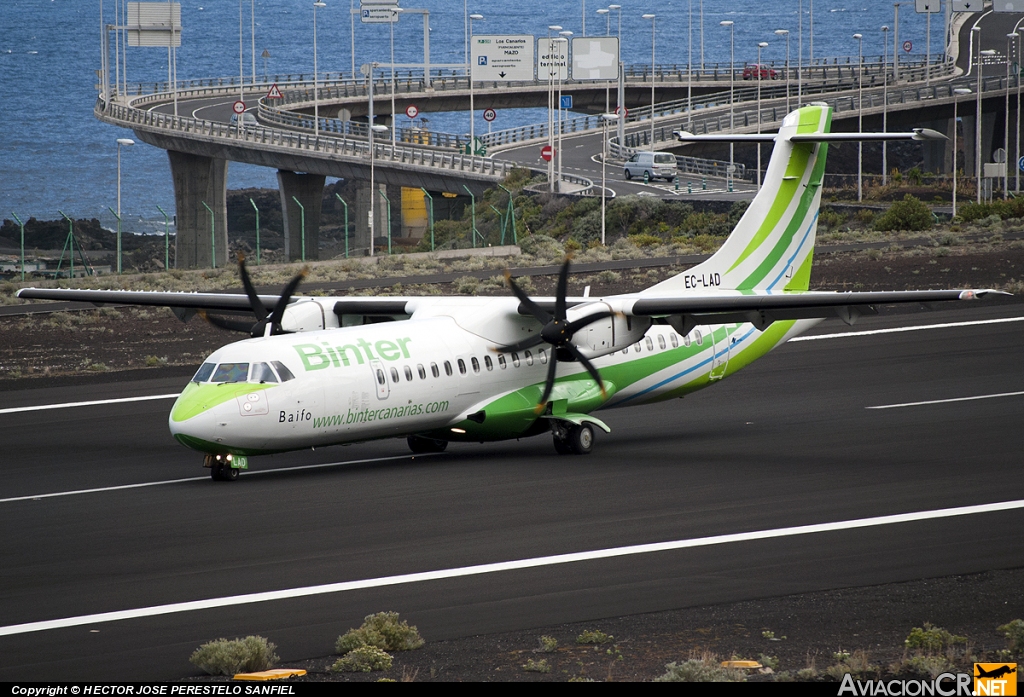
point(547, 152)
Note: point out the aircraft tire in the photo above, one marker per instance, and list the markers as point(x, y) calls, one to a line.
point(581, 439)
point(419, 444)
point(223, 473)
point(628, 175)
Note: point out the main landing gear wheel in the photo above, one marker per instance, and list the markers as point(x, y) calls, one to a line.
point(419, 444)
point(578, 440)
point(223, 473)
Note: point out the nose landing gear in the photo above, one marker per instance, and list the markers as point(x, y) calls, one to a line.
point(224, 468)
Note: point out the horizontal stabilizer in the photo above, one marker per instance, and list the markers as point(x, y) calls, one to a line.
point(916, 134)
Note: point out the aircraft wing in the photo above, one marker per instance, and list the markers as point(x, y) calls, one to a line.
point(215, 302)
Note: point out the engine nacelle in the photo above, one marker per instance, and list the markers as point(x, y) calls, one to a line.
point(607, 335)
point(305, 315)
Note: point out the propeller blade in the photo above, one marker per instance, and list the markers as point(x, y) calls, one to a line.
point(589, 319)
point(528, 342)
point(538, 313)
point(282, 302)
point(563, 288)
point(590, 368)
point(549, 384)
point(230, 325)
point(257, 306)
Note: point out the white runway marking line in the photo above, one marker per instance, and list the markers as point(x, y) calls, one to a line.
point(947, 401)
point(93, 403)
point(249, 598)
point(896, 330)
point(142, 485)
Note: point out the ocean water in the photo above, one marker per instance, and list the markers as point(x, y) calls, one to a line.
point(55, 156)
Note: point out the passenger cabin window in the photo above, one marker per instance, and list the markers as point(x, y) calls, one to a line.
point(262, 373)
point(515, 359)
point(543, 356)
point(488, 363)
point(529, 357)
point(698, 337)
point(661, 341)
point(462, 367)
point(650, 343)
point(501, 361)
point(686, 340)
point(433, 370)
point(204, 372)
point(674, 339)
point(408, 373)
point(422, 371)
point(394, 375)
point(380, 377)
point(448, 368)
point(636, 347)
point(231, 372)
point(283, 371)
point(475, 363)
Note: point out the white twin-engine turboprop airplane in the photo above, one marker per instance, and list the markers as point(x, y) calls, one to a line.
point(322, 371)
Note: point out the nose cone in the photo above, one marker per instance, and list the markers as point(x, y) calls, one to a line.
point(192, 421)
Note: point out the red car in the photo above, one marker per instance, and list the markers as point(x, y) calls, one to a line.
point(761, 72)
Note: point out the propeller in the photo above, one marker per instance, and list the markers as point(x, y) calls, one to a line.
point(556, 332)
point(263, 318)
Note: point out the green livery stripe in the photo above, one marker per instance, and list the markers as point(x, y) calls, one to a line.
point(197, 398)
point(802, 278)
point(810, 118)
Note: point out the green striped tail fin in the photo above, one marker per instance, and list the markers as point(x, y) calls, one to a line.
point(772, 246)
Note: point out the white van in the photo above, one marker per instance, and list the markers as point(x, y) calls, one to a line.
point(655, 164)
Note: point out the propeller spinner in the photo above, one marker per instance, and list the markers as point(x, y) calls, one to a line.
point(557, 332)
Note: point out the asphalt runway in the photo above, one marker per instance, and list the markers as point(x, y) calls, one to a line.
point(786, 442)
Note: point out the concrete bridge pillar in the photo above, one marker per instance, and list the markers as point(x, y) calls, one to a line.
point(365, 197)
point(988, 122)
point(198, 180)
point(938, 154)
point(301, 239)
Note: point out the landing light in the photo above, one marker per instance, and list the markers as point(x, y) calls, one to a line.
point(458, 430)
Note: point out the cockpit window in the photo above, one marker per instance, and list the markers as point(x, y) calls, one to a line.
point(262, 373)
point(231, 372)
point(283, 371)
point(204, 372)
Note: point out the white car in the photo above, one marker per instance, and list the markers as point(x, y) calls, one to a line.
point(247, 119)
point(654, 164)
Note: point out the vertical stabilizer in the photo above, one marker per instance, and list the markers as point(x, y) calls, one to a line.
point(772, 246)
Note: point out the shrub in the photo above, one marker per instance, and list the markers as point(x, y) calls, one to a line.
point(541, 666)
point(930, 666)
point(1014, 633)
point(908, 214)
point(593, 636)
point(363, 659)
point(548, 644)
point(224, 657)
point(645, 240)
point(931, 639)
point(383, 631)
point(700, 670)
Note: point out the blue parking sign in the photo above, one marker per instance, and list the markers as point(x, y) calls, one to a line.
point(1020, 164)
point(567, 101)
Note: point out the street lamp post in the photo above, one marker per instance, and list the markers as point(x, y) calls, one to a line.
point(584, 30)
point(565, 34)
point(605, 118)
point(760, 45)
point(885, 99)
point(956, 94)
point(125, 142)
point(654, 22)
point(895, 43)
point(621, 91)
point(394, 119)
point(551, 104)
point(784, 32)
point(732, 83)
point(1006, 121)
point(316, 84)
point(374, 128)
point(860, 115)
point(607, 32)
point(1017, 138)
point(472, 112)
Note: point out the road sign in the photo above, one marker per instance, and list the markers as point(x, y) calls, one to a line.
point(566, 101)
point(275, 92)
point(999, 156)
point(547, 152)
point(595, 58)
point(502, 57)
point(552, 59)
point(1020, 164)
point(238, 107)
point(384, 14)
point(622, 111)
point(907, 45)
point(966, 5)
point(924, 6)
point(490, 115)
point(412, 111)
point(1007, 5)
